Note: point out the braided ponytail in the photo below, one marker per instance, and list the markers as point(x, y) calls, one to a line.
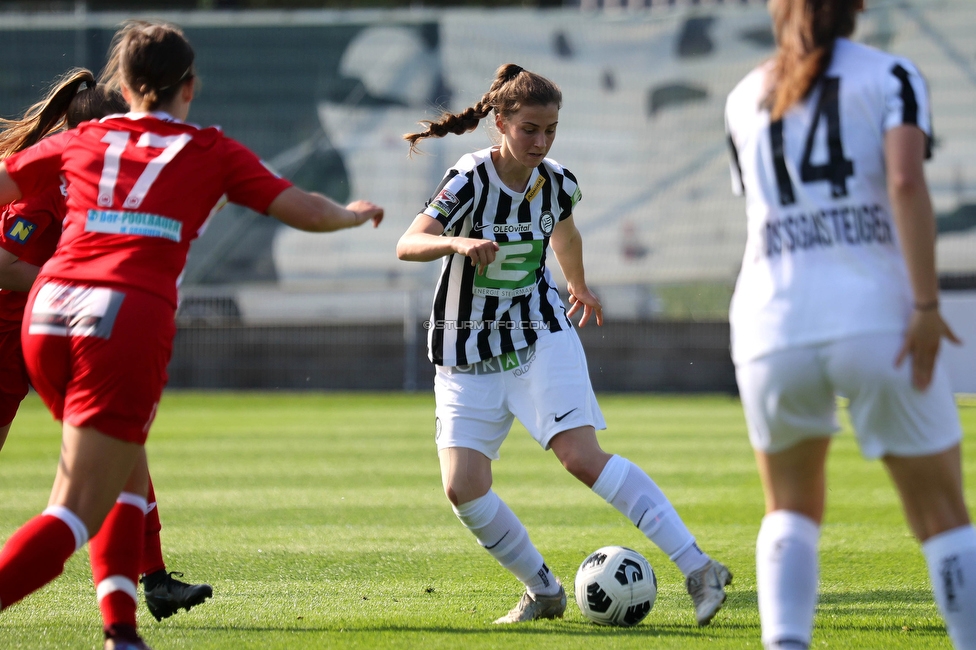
point(512, 88)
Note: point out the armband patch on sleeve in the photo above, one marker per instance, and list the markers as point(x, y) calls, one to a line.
point(577, 195)
point(21, 231)
point(445, 202)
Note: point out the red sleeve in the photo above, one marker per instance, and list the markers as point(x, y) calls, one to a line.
point(30, 228)
point(37, 168)
point(249, 182)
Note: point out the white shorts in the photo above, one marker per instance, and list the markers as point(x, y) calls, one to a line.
point(790, 395)
point(547, 387)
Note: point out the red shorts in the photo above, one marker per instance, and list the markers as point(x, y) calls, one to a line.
point(14, 385)
point(97, 355)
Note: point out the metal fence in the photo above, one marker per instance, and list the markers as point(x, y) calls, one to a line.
point(657, 356)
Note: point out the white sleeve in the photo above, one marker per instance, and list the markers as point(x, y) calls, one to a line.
point(452, 199)
point(736, 170)
point(906, 98)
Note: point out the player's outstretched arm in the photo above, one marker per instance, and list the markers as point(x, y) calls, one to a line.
point(314, 212)
point(915, 221)
point(567, 244)
point(423, 243)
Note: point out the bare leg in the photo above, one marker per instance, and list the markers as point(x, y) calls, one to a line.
point(787, 575)
point(931, 491)
point(795, 479)
point(580, 453)
point(4, 430)
point(465, 474)
point(93, 470)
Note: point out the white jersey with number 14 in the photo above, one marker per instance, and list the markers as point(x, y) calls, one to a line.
point(822, 259)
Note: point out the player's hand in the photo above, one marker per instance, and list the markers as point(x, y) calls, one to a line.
point(583, 297)
point(926, 329)
point(481, 252)
point(366, 211)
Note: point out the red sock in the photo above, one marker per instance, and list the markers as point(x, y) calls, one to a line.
point(116, 553)
point(152, 551)
point(34, 556)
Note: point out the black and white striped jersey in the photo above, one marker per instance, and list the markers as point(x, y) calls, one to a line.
point(822, 258)
point(514, 302)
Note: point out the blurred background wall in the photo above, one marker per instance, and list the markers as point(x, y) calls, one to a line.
point(323, 92)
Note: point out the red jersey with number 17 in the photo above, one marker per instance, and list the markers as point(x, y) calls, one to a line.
point(140, 189)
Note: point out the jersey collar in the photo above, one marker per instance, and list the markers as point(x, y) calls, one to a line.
point(496, 179)
point(159, 115)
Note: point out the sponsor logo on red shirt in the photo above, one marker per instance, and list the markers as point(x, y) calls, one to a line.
point(21, 231)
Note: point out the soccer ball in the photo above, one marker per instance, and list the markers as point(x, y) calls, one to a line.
point(615, 586)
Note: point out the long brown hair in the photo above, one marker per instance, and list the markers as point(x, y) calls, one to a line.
point(512, 88)
point(92, 103)
point(153, 60)
point(44, 117)
point(805, 33)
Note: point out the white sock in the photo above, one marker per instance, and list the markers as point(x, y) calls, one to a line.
point(501, 533)
point(630, 490)
point(787, 645)
point(786, 577)
point(73, 521)
point(951, 557)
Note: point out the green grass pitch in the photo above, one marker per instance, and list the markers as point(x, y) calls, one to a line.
point(319, 520)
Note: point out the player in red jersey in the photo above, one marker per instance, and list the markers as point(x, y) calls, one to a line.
point(29, 233)
point(99, 323)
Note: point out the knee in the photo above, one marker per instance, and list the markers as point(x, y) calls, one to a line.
point(573, 461)
point(452, 495)
point(462, 491)
point(586, 467)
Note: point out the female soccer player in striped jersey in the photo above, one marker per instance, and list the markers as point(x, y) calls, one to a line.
point(29, 232)
point(99, 322)
point(838, 289)
point(504, 347)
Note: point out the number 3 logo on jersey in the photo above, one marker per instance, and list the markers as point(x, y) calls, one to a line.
point(513, 273)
